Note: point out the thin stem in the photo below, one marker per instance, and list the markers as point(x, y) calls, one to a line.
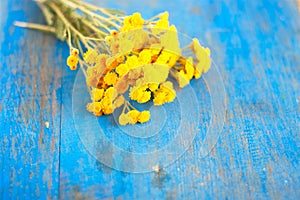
point(131, 106)
point(67, 23)
point(187, 47)
point(69, 38)
point(35, 26)
point(104, 11)
point(94, 39)
point(93, 15)
point(79, 46)
point(100, 24)
point(87, 23)
point(124, 107)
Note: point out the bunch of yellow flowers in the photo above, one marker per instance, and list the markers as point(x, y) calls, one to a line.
point(141, 59)
point(126, 55)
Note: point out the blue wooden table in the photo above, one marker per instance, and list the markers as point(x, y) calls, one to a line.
point(246, 143)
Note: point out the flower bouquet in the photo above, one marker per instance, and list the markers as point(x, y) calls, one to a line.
point(124, 58)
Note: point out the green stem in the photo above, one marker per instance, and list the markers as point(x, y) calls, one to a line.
point(67, 23)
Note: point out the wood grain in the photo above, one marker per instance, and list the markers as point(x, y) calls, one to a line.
point(255, 45)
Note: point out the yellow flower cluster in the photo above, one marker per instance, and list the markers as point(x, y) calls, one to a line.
point(164, 94)
point(73, 59)
point(104, 101)
point(143, 56)
point(134, 116)
point(203, 58)
point(134, 21)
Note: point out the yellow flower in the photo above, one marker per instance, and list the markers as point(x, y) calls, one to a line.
point(197, 74)
point(122, 69)
point(123, 119)
point(110, 93)
point(154, 73)
point(74, 52)
point(137, 20)
point(144, 116)
point(189, 68)
point(125, 46)
point(108, 110)
point(145, 56)
point(169, 91)
point(202, 55)
point(140, 94)
point(163, 22)
point(153, 86)
point(139, 38)
point(111, 78)
point(184, 76)
point(90, 56)
point(134, 21)
point(97, 94)
point(146, 96)
point(162, 59)
point(135, 73)
point(133, 116)
point(170, 41)
point(165, 93)
point(132, 62)
point(72, 62)
point(95, 108)
point(101, 61)
point(159, 98)
point(182, 79)
point(119, 101)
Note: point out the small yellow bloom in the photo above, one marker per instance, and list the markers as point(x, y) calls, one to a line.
point(95, 108)
point(122, 69)
point(146, 96)
point(108, 110)
point(134, 21)
point(140, 94)
point(169, 91)
point(170, 41)
point(124, 119)
point(74, 52)
point(144, 116)
point(154, 73)
point(110, 93)
point(163, 22)
point(125, 46)
point(202, 55)
point(133, 116)
point(135, 93)
point(145, 57)
point(153, 86)
point(97, 94)
point(111, 78)
point(132, 62)
point(159, 98)
point(119, 101)
point(90, 56)
point(164, 94)
point(182, 79)
point(72, 62)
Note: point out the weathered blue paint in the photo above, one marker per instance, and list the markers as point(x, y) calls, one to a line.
point(256, 46)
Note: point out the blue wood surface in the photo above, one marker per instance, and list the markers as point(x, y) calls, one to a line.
point(255, 45)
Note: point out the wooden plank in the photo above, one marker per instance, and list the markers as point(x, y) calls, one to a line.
point(30, 98)
point(255, 46)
